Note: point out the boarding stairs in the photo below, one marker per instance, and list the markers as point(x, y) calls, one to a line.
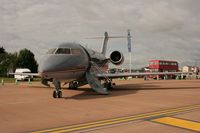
point(93, 80)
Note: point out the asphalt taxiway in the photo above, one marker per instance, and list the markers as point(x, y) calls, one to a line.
point(133, 106)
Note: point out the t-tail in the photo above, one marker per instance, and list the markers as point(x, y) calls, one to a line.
point(105, 42)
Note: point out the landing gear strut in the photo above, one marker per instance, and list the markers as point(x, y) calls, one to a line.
point(57, 93)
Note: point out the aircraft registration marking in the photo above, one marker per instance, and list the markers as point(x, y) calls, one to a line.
point(101, 123)
point(195, 126)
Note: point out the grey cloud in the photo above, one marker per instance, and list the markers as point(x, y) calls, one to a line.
point(161, 29)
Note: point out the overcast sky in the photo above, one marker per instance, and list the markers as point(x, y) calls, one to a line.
point(161, 29)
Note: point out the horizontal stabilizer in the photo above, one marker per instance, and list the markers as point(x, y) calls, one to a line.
point(105, 38)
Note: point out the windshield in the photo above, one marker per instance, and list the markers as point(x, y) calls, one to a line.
point(63, 51)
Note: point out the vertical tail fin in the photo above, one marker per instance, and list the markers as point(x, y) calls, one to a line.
point(105, 42)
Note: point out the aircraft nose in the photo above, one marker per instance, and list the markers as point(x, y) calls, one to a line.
point(51, 64)
point(43, 68)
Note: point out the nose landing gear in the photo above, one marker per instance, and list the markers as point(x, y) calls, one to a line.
point(57, 93)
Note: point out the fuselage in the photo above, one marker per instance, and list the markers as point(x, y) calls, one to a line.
point(69, 61)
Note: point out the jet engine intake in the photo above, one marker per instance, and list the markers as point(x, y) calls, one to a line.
point(116, 58)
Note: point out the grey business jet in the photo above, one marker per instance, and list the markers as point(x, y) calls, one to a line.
point(77, 65)
point(74, 64)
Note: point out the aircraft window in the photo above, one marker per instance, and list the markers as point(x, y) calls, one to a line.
point(63, 51)
point(51, 51)
point(76, 51)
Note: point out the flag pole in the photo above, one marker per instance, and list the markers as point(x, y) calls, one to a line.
point(129, 48)
point(130, 61)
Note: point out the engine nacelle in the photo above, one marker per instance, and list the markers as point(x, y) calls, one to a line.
point(116, 58)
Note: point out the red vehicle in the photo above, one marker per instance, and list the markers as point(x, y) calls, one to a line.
point(163, 66)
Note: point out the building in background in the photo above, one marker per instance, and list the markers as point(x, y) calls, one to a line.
point(187, 69)
point(192, 69)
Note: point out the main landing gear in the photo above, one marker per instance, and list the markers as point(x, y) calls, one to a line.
point(73, 85)
point(57, 93)
point(108, 85)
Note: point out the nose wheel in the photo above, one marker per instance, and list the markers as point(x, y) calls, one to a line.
point(57, 94)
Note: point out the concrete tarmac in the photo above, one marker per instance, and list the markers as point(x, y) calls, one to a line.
point(30, 107)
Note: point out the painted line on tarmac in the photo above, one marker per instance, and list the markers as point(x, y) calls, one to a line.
point(101, 123)
point(176, 122)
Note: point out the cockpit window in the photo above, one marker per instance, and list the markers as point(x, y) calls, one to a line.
point(51, 51)
point(76, 51)
point(63, 51)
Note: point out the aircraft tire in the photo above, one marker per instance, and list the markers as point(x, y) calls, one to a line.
point(70, 85)
point(73, 85)
point(59, 94)
point(54, 94)
point(108, 85)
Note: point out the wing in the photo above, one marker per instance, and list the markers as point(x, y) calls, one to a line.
point(26, 74)
point(119, 75)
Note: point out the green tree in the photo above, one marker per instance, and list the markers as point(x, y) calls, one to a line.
point(12, 61)
point(2, 50)
point(26, 59)
point(6, 61)
point(3, 61)
point(3, 64)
